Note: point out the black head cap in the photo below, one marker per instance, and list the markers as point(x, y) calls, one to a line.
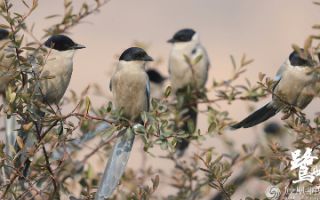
point(4, 34)
point(155, 76)
point(296, 59)
point(62, 43)
point(135, 54)
point(184, 35)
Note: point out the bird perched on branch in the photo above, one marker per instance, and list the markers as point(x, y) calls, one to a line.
point(188, 69)
point(55, 73)
point(53, 69)
point(6, 62)
point(131, 92)
point(294, 86)
point(7, 74)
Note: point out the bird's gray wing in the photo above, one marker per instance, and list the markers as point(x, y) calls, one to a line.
point(11, 133)
point(28, 139)
point(278, 76)
point(206, 57)
point(116, 165)
point(11, 127)
point(208, 64)
point(148, 94)
point(280, 71)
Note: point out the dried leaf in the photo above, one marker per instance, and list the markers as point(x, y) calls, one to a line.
point(88, 105)
point(208, 157)
point(261, 76)
point(20, 142)
point(155, 182)
point(233, 61)
point(27, 127)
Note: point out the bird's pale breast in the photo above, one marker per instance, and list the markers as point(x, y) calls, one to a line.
point(58, 70)
point(295, 86)
point(129, 91)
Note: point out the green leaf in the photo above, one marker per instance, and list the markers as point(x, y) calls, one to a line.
point(139, 129)
point(88, 105)
point(52, 16)
point(217, 160)
point(144, 117)
point(168, 91)
point(197, 59)
point(2, 154)
point(164, 145)
point(191, 126)
point(208, 157)
point(90, 172)
point(154, 104)
point(212, 127)
point(109, 107)
point(233, 61)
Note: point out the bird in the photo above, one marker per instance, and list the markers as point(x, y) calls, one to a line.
point(188, 66)
point(293, 85)
point(58, 66)
point(53, 67)
point(157, 81)
point(131, 94)
point(7, 74)
point(6, 63)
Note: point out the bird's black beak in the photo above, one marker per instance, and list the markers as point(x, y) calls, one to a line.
point(172, 40)
point(78, 46)
point(147, 58)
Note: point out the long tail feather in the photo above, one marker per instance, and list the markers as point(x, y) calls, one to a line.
point(29, 140)
point(11, 133)
point(22, 154)
point(191, 116)
point(257, 117)
point(116, 165)
point(11, 136)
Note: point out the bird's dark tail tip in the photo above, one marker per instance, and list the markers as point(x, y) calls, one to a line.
point(257, 117)
point(25, 170)
point(189, 127)
point(181, 147)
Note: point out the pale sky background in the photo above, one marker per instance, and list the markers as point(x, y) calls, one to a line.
point(263, 30)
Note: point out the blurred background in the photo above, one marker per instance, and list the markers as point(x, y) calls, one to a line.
point(263, 30)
